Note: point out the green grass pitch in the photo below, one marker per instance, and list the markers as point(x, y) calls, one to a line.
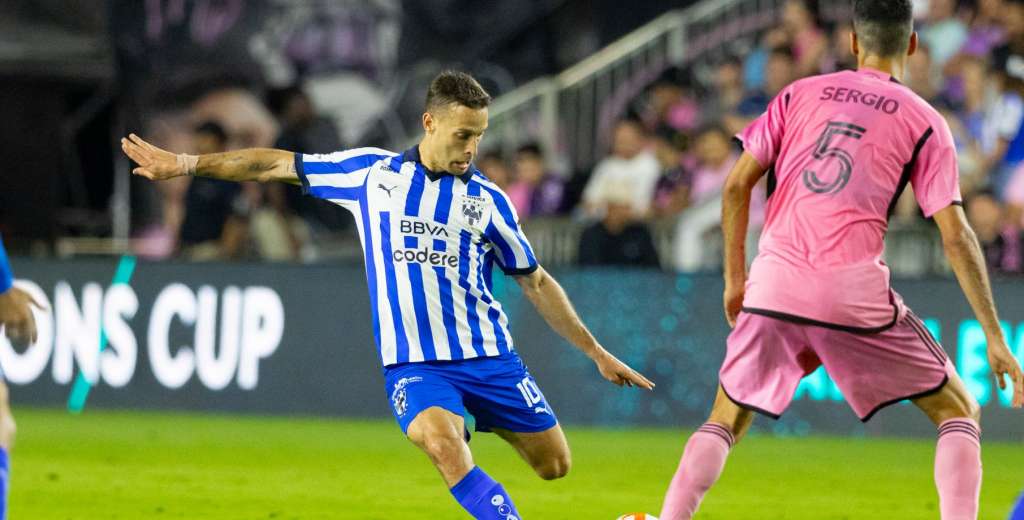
point(131, 465)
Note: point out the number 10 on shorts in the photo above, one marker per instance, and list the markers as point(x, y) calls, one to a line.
point(530, 391)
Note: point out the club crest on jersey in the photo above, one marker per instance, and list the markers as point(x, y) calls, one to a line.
point(472, 209)
point(399, 399)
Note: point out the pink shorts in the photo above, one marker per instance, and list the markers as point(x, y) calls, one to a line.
point(767, 357)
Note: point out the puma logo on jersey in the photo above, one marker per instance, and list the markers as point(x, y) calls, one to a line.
point(387, 189)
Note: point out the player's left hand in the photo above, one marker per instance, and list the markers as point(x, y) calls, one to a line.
point(732, 300)
point(1003, 364)
point(619, 373)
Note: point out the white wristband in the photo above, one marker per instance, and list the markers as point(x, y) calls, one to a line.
point(187, 163)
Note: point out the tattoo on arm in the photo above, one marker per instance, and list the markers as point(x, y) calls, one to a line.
point(245, 165)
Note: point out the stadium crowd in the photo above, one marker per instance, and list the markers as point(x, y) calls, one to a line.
point(669, 156)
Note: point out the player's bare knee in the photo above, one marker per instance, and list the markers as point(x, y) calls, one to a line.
point(952, 402)
point(441, 446)
point(555, 467)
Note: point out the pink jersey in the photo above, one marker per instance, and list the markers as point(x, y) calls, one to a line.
point(841, 147)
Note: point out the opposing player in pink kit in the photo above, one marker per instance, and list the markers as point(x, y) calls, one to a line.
point(838, 150)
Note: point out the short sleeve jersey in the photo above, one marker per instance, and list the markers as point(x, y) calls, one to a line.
point(430, 242)
point(840, 148)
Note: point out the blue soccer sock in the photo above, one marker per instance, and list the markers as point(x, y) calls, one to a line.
point(483, 497)
point(4, 477)
point(1018, 511)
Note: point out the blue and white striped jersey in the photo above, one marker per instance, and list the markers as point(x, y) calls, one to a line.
point(430, 242)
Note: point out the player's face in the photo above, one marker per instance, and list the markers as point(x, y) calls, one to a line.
point(454, 134)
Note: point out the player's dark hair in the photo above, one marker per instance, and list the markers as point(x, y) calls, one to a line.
point(883, 27)
point(456, 87)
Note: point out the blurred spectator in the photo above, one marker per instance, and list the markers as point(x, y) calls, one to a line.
point(620, 238)
point(671, 101)
point(494, 167)
point(1001, 241)
point(921, 75)
point(215, 224)
point(806, 40)
point(985, 32)
point(1014, 197)
point(780, 71)
point(242, 115)
point(534, 191)
point(631, 166)
point(715, 157)
point(726, 95)
point(968, 151)
point(944, 33)
point(840, 56)
point(729, 84)
point(989, 121)
point(672, 192)
point(1008, 63)
point(755, 64)
point(303, 131)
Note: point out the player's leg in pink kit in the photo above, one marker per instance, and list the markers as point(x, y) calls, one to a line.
point(905, 362)
point(958, 451)
point(766, 360)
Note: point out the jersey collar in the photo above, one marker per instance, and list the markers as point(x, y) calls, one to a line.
point(875, 73)
point(413, 155)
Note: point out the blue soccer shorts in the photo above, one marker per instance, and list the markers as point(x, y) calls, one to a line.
point(498, 392)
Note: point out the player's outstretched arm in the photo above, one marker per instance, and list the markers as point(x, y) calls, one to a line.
point(735, 217)
point(968, 262)
point(253, 164)
point(552, 303)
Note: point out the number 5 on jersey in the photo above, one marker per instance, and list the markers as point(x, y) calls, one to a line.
point(825, 150)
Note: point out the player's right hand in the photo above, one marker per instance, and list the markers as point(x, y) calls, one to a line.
point(154, 163)
point(619, 373)
point(17, 318)
point(732, 300)
point(1004, 365)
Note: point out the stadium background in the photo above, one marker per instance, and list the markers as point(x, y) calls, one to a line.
point(276, 322)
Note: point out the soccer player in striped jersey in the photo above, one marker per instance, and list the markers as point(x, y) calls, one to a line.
point(20, 328)
point(433, 228)
point(838, 149)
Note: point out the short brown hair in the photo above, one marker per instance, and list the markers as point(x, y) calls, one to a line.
point(456, 87)
point(883, 27)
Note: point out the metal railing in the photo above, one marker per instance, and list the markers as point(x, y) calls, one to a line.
point(571, 114)
point(912, 249)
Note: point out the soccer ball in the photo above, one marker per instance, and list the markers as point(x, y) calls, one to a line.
point(637, 516)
